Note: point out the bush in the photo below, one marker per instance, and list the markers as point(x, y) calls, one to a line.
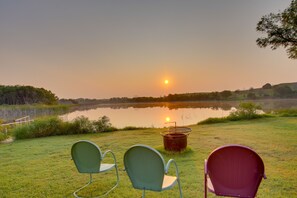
point(39, 128)
point(81, 125)
point(50, 126)
point(245, 111)
point(23, 132)
point(102, 124)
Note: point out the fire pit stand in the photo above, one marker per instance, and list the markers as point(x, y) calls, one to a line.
point(175, 138)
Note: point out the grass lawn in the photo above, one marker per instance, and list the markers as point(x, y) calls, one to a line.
point(43, 167)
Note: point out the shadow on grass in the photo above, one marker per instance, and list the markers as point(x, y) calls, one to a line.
point(185, 152)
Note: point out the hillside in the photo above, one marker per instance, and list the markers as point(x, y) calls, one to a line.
point(293, 85)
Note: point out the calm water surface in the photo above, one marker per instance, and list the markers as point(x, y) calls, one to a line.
point(156, 114)
point(150, 116)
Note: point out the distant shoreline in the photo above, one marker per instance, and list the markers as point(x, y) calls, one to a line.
point(267, 91)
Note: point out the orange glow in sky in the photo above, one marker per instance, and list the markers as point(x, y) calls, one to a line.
point(133, 51)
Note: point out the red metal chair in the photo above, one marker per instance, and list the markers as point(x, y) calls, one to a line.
point(234, 171)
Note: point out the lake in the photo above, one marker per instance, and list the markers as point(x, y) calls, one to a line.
point(158, 114)
point(149, 114)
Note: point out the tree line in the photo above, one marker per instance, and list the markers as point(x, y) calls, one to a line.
point(267, 91)
point(18, 95)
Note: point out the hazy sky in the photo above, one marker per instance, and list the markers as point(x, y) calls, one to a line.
point(117, 48)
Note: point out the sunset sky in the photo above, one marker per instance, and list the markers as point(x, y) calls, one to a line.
point(128, 48)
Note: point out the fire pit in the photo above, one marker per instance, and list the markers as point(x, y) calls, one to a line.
point(175, 138)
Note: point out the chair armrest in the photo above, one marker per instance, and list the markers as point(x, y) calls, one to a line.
point(109, 151)
point(168, 165)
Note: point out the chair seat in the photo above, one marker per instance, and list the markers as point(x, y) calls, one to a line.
point(168, 182)
point(209, 185)
point(106, 167)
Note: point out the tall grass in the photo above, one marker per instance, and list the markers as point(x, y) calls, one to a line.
point(58, 107)
point(3, 136)
point(41, 127)
point(51, 126)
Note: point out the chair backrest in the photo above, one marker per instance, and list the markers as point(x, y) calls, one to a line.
point(235, 170)
point(86, 156)
point(145, 167)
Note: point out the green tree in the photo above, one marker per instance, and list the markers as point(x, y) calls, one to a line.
point(267, 86)
point(13, 95)
point(280, 29)
point(226, 94)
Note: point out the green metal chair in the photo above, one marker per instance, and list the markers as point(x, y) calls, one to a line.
point(146, 169)
point(87, 158)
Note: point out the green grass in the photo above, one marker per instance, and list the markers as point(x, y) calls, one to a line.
point(286, 113)
point(42, 167)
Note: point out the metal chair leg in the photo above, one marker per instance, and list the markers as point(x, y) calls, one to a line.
point(118, 180)
point(180, 190)
point(90, 181)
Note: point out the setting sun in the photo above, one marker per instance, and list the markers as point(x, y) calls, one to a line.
point(167, 119)
point(166, 82)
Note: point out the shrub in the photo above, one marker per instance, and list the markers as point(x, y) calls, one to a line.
point(23, 132)
point(245, 111)
point(50, 126)
point(81, 125)
point(102, 124)
point(41, 127)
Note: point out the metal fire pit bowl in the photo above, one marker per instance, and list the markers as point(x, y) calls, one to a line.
point(175, 138)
